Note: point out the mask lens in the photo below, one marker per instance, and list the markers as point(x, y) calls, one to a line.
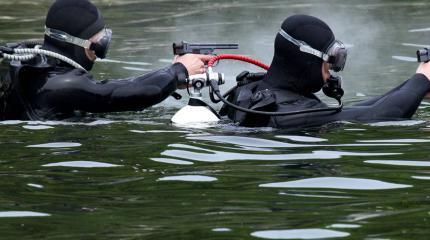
point(101, 47)
point(338, 54)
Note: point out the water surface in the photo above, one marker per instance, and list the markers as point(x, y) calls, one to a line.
point(136, 176)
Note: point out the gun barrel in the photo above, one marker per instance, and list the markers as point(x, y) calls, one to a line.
point(181, 48)
point(214, 45)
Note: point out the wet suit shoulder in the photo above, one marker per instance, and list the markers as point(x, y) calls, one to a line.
point(59, 92)
point(399, 103)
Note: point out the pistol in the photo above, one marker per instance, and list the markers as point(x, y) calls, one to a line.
point(181, 48)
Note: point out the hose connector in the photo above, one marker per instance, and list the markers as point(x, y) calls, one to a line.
point(200, 81)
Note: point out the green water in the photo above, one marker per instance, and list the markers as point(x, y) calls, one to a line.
point(135, 176)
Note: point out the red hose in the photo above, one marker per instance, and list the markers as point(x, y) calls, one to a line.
point(239, 58)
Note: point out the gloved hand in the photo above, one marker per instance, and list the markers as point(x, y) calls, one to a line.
point(194, 63)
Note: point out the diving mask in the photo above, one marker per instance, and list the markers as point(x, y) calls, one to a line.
point(100, 47)
point(335, 55)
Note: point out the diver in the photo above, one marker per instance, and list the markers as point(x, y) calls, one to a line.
point(61, 87)
point(306, 55)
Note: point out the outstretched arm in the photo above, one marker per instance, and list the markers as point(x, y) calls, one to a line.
point(79, 91)
point(402, 101)
point(399, 103)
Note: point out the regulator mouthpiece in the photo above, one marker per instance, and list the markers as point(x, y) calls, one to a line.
point(333, 87)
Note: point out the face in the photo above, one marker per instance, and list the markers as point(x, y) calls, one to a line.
point(91, 54)
point(325, 71)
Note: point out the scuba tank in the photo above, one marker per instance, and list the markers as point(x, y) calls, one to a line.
point(197, 110)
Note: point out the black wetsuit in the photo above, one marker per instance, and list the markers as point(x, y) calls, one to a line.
point(295, 74)
point(55, 90)
point(399, 103)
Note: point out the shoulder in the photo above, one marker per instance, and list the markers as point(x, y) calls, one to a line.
point(64, 78)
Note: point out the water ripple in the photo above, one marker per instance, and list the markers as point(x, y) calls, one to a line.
point(65, 123)
point(337, 183)
point(172, 161)
point(81, 164)
point(158, 131)
point(310, 233)
point(405, 123)
point(245, 142)
point(10, 214)
point(221, 230)
point(355, 129)
point(302, 138)
point(189, 178)
point(313, 195)
point(185, 146)
point(415, 45)
point(125, 62)
point(400, 163)
point(11, 122)
point(35, 185)
point(137, 69)
point(396, 141)
point(37, 127)
point(343, 225)
point(421, 177)
point(7, 18)
point(121, 181)
point(420, 30)
point(219, 156)
point(356, 217)
point(56, 145)
point(405, 59)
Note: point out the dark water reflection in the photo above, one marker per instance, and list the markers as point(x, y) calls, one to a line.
point(135, 176)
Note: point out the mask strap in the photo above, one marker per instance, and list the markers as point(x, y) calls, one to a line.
point(304, 47)
point(65, 37)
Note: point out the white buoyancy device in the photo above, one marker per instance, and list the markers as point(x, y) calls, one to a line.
point(197, 111)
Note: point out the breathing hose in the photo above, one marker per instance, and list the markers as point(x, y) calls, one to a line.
point(31, 43)
point(215, 87)
point(25, 54)
point(242, 58)
point(239, 58)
